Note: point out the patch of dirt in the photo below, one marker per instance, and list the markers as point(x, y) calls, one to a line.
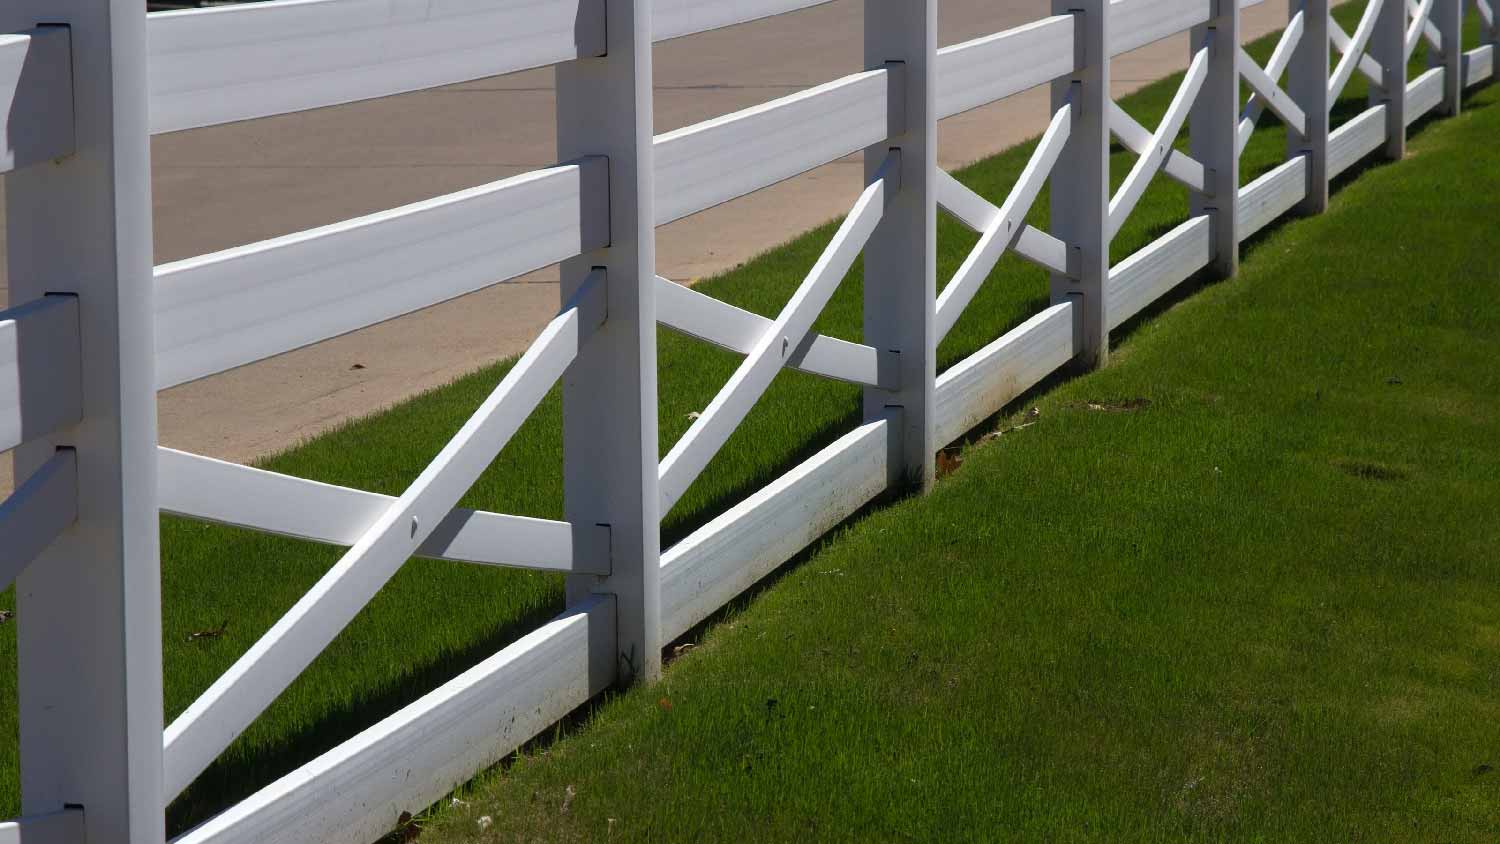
point(1121, 406)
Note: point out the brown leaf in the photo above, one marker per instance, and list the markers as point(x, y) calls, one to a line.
point(407, 829)
point(665, 704)
point(6, 615)
point(948, 461)
point(215, 633)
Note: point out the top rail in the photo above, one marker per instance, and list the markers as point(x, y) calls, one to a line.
point(1136, 23)
point(219, 65)
point(676, 18)
point(36, 90)
point(229, 63)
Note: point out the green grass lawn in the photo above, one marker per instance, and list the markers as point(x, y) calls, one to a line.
point(435, 619)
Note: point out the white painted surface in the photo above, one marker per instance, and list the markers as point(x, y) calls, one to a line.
point(216, 65)
point(685, 310)
point(230, 308)
point(975, 388)
point(728, 555)
point(1358, 42)
point(1479, 64)
point(978, 215)
point(675, 18)
point(996, 66)
point(1307, 83)
point(1079, 197)
point(40, 380)
point(691, 454)
point(1421, 23)
point(64, 827)
point(355, 793)
point(1213, 136)
point(1272, 194)
point(1136, 23)
point(88, 639)
point(1424, 94)
point(1280, 58)
point(610, 438)
point(1004, 226)
point(1270, 93)
point(1356, 139)
point(1155, 269)
point(228, 493)
point(36, 514)
point(36, 97)
point(1368, 66)
point(900, 263)
point(207, 726)
point(1429, 29)
point(702, 165)
point(1137, 138)
point(1134, 186)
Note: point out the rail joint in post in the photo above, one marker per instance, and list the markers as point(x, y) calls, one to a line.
point(1080, 182)
point(900, 290)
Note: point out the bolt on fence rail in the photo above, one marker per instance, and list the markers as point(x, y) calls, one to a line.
point(98, 331)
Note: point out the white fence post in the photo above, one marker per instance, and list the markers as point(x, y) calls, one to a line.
point(609, 393)
point(89, 607)
point(1388, 48)
point(1307, 85)
point(1080, 180)
point(1448, 16)
point(900, 285)
point(1213, 127)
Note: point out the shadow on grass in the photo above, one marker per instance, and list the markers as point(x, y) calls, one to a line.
point(233, 778)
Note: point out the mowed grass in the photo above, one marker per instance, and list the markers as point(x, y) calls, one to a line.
point(435, 619)
point(1242, 585)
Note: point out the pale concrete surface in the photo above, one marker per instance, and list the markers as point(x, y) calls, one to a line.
point(229, 185)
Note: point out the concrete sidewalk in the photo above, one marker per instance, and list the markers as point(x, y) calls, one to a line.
point(229, 185)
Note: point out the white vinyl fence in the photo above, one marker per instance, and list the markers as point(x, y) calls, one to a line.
point(98, 330)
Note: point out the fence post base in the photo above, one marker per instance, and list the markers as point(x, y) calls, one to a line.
point(1080, 181)
point(1388, 47)
point(1448, 16)
point(900, 285)
point(1214, 135)
point(1307, 85)
point(610, 448)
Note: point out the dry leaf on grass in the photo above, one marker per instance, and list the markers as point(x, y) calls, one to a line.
point(215, 633)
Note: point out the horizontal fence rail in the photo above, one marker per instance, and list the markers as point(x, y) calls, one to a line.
point(80, 362)
point(230, 308)
point(703, 165)
point(36, 95)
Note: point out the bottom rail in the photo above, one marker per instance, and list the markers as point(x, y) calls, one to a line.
point(1274, 193)
point(1355, 140)
point(64, 827)
point(356, 792)
point(1479, 65)
point(728, 555)
point(1147, 275)
point(1424, 94)
point(975, 388)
